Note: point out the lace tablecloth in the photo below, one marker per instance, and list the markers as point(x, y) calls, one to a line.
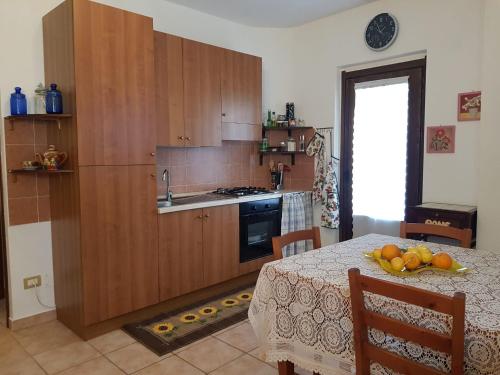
point(301, 308)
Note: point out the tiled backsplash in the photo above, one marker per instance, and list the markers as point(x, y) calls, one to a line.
point(233, 164)
point(28, 193)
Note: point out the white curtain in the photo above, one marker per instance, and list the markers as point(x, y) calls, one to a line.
point(379, 156)
point(296, 215)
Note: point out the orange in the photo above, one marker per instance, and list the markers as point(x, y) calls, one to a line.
point(411, 260)
point(442, 260)
point(390, 251)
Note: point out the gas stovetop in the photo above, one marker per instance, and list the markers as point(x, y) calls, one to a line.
point(242, 191)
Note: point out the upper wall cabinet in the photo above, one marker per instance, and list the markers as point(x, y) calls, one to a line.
point(202, 96)
point(241, 89)
point(169, 90)
point(114, 85)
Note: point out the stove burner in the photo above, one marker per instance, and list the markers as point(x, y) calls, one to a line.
point(242, 191)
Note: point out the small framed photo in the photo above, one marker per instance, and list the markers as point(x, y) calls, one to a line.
point(441, 139)
point(469, 106)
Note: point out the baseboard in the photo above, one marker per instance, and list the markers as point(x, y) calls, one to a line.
point(47, 316)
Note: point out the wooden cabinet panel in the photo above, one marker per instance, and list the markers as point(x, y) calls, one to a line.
point(114, 78)
point(202, 95)
point(221, 242)
point(169, 90)
point(241, 88)
point(181, 255)
point(119, 239)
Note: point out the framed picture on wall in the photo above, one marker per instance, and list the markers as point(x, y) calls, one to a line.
point(469, 106)
point(441, 139)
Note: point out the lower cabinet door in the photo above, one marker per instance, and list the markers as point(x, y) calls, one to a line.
point(221, 239)
point(180, 258)
point(119, 239)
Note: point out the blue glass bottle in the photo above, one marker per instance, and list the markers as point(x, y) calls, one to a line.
point(53, 100)
point(18, 105)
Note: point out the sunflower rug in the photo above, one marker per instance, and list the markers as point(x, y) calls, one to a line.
point(170, 331)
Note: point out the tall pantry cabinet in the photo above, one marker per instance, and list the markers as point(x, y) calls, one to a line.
point(104, 216)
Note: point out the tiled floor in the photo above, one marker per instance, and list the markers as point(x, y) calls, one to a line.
point(51, 348)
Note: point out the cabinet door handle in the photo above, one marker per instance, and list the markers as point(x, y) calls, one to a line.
point(206, 216)
point(153, 153)
point(199, 217)
point(153, 174)
point(180, 137)
point(188, 138)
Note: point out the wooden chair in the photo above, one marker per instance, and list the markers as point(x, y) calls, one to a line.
point(309, 234)
point(363, 318)
point(463, 235)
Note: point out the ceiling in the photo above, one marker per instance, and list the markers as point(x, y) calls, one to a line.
point(271, 13)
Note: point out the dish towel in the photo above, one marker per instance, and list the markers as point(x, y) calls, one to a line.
point(296, 215)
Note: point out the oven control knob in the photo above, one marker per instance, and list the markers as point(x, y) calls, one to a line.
point(267, 206)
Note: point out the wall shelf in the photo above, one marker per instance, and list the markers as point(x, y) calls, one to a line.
point(288, 129)
point(16, 172)
point(269, 152)
point(38, 117)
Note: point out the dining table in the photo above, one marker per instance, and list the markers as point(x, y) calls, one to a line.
point(301, 311)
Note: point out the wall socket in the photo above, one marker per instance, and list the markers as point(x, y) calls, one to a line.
point(32, 282)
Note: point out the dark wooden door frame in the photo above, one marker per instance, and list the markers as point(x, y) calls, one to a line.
point(416, 71)
point(4, 290)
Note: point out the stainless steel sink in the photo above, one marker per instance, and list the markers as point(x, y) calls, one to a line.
point(163, 203)
point(190, 199)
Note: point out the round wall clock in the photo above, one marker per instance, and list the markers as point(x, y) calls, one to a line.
point(381, 32)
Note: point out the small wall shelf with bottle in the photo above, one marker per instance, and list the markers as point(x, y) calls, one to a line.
point(287, 128)
point(38, 117)
point(271, 151)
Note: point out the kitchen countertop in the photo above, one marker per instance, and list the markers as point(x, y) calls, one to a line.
point(220, 202)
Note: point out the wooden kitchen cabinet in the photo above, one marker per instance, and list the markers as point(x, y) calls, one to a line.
point(181, 253)
point(119, 240)
point(241, 93)
point(169, 90)
point(202, 95)
point(114, 84)
point(221, 243)
point(198, 248)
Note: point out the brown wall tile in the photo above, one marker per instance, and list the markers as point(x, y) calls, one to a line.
point(21, 186)
point(16, 154)
point(21, 134)
point(23, 210)
point(44, 208)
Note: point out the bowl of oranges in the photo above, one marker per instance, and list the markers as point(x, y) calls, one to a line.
point(413, 260)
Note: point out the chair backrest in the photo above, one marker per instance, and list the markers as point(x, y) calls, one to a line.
point(463, 235)
point(364, 318)
point(301, 235)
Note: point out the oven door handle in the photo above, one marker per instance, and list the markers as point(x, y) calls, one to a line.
point(262, 214)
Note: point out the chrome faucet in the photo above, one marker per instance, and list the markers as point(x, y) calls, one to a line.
point(166, 178)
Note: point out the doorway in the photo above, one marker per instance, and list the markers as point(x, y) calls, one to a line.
point(4, 298)
point(382, 142)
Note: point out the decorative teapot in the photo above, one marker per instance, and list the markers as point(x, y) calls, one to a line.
point(52, 159)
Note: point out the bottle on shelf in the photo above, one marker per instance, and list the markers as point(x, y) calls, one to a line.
point(273, 120)
point(269, 122)
point(54, 100)
point(18, 104)
point(40, 94)
point(302, 143)
point(291, 145)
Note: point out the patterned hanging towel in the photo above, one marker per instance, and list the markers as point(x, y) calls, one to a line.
point(316, 148)
point(296, 215)
point(330, 199)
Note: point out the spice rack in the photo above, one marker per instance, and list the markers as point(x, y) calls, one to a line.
point(289, 130)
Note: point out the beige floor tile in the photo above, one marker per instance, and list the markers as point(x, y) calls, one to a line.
point(229, 328)
point(11, 353)
point(256, 353)
point(98, 366)
point(172, 365)
point(25, 366)
point(190, 345)
point(301, 371)
point(210, 354)
point(133, 357)
point(111, 341)
point(241, 337)
point(44, 337)
point(67, 356)
point(245, 365)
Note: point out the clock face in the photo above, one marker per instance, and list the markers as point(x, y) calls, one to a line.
point(381, 32)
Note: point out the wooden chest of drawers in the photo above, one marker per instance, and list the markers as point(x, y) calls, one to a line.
point(452, 215)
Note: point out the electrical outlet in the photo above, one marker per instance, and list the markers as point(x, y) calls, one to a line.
point(32, 282)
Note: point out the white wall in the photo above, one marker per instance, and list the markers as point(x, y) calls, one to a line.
point(449, 31)
point(21, 64)
point(489, 156)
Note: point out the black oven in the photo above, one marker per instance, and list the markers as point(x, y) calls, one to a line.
point(260, 221)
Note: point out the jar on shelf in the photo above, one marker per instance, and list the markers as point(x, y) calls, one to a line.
point(291, 145)
point(283, 146)
point(54, 100)
point(18, 104)
point(264, 145)
point(39, 100)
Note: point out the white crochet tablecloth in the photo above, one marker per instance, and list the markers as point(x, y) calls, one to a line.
point(301, 308)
